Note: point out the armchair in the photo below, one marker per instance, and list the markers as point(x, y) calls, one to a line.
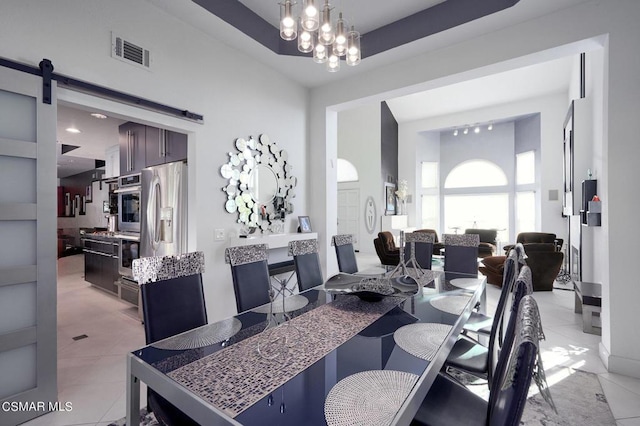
point(488, 243)
point(386, 249)
point(543, 259)
point(536, 237)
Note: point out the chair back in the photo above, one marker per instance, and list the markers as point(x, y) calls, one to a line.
point(419, 246)
point(519, 288)
point(486, 235)
point(250, 274)
point(461, 253)
point(307, 263)
point(172, 294)
point(517, 367)
point(345, 253)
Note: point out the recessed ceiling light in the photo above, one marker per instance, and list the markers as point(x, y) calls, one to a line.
point(477, 129)
point(72, 130)
point(98, 115)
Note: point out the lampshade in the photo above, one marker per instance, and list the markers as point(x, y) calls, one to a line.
point(309, 18)
point(305, 39)
point(340, 45)
point(333, 63)
point(353, 48)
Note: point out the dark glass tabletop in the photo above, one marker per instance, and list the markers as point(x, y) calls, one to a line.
point(277, 364)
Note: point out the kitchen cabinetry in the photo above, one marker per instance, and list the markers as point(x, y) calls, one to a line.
point(101, 262)
point(112, 162)
point(132, 147)
point(164, 146)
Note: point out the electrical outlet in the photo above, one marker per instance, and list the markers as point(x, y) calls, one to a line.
point(219, 234)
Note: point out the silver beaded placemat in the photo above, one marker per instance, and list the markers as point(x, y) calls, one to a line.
point(291, 303)
point(369, 398)
point(465, 282)
point(422, 340)
point(450, 304)
point(201, 337)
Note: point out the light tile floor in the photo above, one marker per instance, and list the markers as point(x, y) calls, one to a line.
point(91, 371)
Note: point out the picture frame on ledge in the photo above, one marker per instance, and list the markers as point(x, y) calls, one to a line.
point(304, 224)
point(390, 199)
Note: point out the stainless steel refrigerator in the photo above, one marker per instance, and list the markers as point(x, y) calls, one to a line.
point(163, 228)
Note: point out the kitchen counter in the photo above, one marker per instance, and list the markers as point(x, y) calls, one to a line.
point(106, 235)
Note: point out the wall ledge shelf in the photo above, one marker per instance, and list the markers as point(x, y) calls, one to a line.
point(272, 240)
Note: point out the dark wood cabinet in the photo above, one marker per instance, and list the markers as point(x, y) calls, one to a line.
point(132, 148)
point(101, 263)
point(164, 146)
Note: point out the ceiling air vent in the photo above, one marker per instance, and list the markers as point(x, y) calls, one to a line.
point(129, 52)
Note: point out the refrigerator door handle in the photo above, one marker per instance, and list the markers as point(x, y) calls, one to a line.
point(153, 213)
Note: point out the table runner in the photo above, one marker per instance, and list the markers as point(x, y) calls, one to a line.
point(236, 377)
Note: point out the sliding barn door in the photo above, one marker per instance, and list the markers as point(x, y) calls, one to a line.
point(27, 248)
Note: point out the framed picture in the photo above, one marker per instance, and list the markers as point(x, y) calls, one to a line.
point(304, 224)
point(390, 198)
point(88, 194)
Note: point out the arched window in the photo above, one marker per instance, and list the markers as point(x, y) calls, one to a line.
point(347, 172)
point(475, 173)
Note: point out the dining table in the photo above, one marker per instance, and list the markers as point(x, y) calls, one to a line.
point(359, 349)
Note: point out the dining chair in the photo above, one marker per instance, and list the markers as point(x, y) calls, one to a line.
point(472, 357)
point(482, 324)
point(172, 303)
point(250, 275)
point(419, 247)
point(449, 403)
point(461, 253)
point(345, 253)
point(307, 263)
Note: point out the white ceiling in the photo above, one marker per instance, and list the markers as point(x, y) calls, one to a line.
point(537, 80)
point(95, 137)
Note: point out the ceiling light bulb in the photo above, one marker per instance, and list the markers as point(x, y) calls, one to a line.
point(309, 19)
point(288, 30)
point(477, 129)
point(455, 132)
point(72, 130)
point(466, 130)
point(320, 53)
point(333, 64)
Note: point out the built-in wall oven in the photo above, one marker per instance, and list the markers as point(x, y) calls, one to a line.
point(129, 203)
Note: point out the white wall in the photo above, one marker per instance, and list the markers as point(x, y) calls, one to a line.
point(359, 142)
point(611, 24)
point(237, 96)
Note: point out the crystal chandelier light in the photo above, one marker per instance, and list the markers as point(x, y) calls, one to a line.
point(317, 34)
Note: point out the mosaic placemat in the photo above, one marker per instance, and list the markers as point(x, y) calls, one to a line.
point(291, 303)
point(450, 304)
point(422, 340)
point(369, 398)
point(236, 377)
point(465, 282)
point(201, 337)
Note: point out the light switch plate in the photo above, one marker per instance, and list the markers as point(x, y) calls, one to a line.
point(219, 234)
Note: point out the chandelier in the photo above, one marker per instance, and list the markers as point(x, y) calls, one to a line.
point(316, 33)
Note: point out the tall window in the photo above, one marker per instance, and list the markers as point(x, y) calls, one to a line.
point(476, 197)
point(525, 192)
point(430, 195)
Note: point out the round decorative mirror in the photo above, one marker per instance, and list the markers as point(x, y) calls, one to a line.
point(260, 185)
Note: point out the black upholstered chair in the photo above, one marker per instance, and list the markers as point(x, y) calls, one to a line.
point(250, 274)
point(487, 246)
point(472, 357)
point(419, 246)
point(437, 245)
point(461, 253)
point(307, 263)
point(345, 253)
point(172, 303)
point(482, 324)
point(449, 403)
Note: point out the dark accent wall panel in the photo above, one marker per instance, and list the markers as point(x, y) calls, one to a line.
point(388, 144)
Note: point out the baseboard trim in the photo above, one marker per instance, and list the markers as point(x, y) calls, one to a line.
point(619, 365)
